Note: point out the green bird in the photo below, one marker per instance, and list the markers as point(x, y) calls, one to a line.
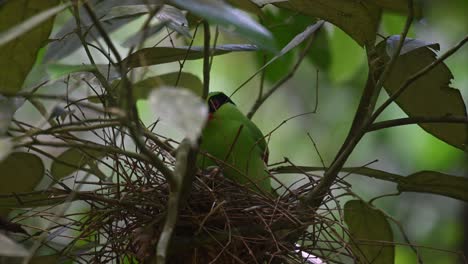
point(234, 143)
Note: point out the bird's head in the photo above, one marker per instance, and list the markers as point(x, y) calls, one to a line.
point(216, 100)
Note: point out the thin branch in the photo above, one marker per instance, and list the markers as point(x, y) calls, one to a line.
point(206, 59)
point(417, 120)
point(286, 78)
point(316, 149)
point(90, 146)
point(181, 64)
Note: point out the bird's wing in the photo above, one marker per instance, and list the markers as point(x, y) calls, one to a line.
point(236, 115)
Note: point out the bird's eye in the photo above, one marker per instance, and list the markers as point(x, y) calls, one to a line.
point(214, 105)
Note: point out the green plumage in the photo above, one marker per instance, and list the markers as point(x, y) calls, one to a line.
point(236, 144)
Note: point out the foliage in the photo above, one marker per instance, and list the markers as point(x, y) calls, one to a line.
point(139, 193)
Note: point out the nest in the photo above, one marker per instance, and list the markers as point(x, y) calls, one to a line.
point(219, 222)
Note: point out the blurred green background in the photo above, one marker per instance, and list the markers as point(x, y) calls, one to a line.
point(435, 223)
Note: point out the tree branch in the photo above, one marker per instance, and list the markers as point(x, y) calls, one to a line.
point(417, 120)
point(361, 120)
point(184, 173)
point(261, 100)
point(206, 59)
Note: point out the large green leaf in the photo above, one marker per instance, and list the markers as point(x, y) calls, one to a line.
point(143, 88)
point(20, 172)
point(126, 11)
point(159, 55)
point(18, 55)
point(31, 199)
point(320, 53)
point(428, 96)
point(170, 16)
point(359, 19)
point(186, 80)
point(344, 49)
point(247, 5)
point(400, 6)
point(233, 19)
point(74, 159)
point(370, 234)
point(436, 183)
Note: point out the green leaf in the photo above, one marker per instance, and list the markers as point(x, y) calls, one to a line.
point(436, 183)
point(371, 236)
point(359, 20)
point(439, 98)
point(125, 11)
point(186, 80)
point(31, 199)
point(18, 56)
point(74, 159)
point(143, 88)
point(159, 55)
point(168, 15)
point(400, 6)
point(344, 49)
point(232, 18)
point(320, 54)
point(25, 26)
point(20, 172)
point(247, 5)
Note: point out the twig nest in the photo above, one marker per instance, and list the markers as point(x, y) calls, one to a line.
point(221, 222)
